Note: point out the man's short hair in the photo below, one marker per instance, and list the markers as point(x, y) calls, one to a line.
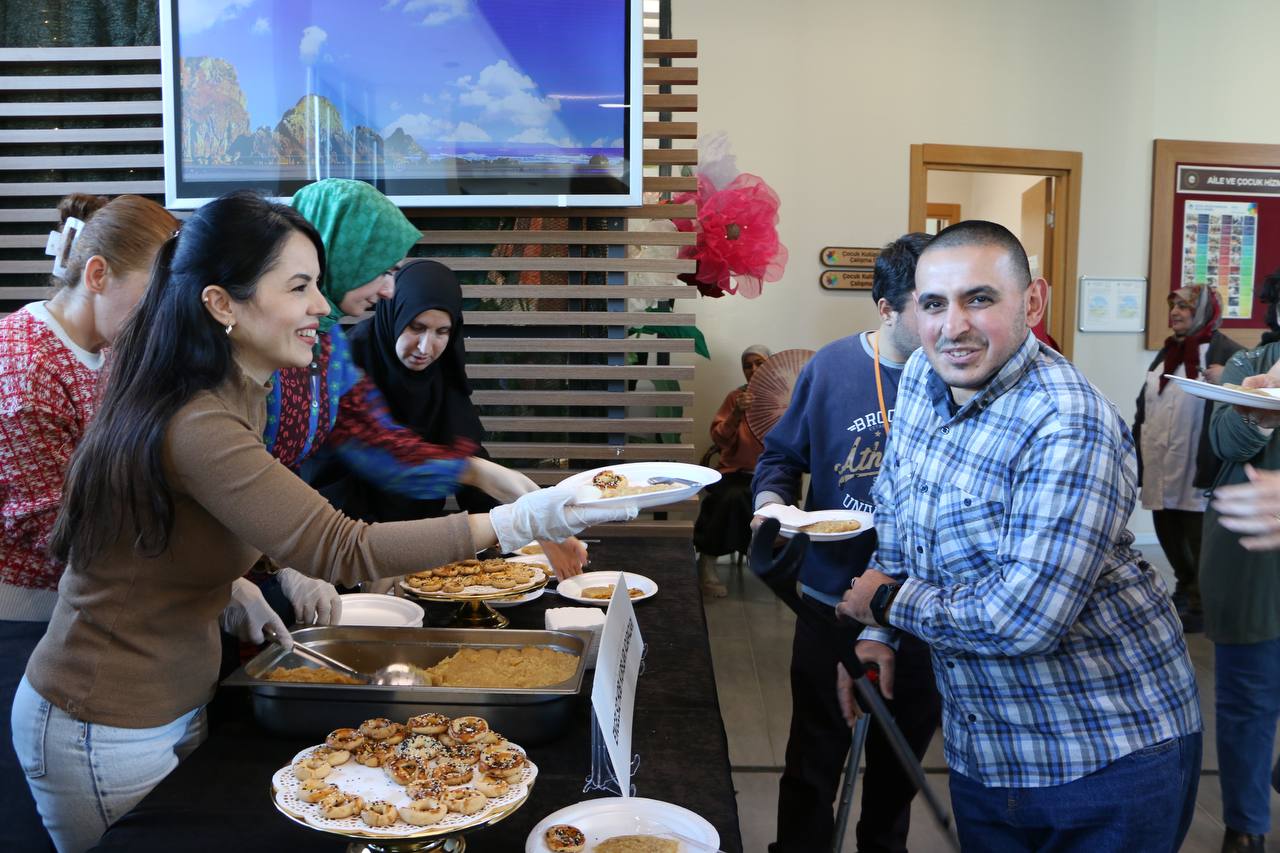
point(895, 272)
point(979, 232)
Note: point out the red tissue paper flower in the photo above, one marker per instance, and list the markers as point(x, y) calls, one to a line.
point(737, 226)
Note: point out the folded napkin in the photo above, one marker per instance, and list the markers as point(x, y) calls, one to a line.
point(579, 619)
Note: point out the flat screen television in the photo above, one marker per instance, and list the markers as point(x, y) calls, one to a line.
point(435, 102)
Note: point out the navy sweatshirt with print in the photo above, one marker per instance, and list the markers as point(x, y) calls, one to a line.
point(832, 430)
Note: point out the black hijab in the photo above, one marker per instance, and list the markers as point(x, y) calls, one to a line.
point(435, 402)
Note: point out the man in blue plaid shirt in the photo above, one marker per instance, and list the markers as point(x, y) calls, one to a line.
point(1070, 709)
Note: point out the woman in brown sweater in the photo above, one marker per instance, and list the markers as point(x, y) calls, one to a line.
point(171, 497)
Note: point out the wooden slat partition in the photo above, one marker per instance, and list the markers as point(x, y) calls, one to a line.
point(551, 292)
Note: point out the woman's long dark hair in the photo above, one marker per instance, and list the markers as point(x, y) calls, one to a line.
point(170, 350)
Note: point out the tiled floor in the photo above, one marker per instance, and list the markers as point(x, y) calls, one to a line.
point(751, 646)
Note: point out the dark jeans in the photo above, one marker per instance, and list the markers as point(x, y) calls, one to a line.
point(1247, 701)
point(724, 516)
point(20, 824)
point(1142, 803)
point(1178, 532)
point(818, 747)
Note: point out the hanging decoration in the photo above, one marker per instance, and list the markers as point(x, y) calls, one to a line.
point(738, 249)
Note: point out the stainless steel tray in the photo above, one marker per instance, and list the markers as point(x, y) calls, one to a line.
point(525, 715)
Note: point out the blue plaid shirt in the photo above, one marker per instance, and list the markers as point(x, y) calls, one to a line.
point(1057, 651)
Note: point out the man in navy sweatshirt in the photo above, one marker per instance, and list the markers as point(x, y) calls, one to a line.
point(835, 429)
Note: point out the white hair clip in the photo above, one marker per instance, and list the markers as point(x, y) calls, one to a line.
point(61, 243)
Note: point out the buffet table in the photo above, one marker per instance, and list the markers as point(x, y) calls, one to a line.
point(219, 798)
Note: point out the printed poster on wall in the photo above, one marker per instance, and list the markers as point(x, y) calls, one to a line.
point(1219, 245)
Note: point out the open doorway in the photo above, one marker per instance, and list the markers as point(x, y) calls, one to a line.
point(1033, 193)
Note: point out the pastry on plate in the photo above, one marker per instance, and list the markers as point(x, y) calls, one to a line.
point(379, 813)
point(611, 484)
point(563, 838)
point(464, 800)
point(637, 844)
point(846, 526)
point(492, 786)
point(423, 811)
point(344, 739)
point(341, 805)
point(603, 593)
point(428, 724)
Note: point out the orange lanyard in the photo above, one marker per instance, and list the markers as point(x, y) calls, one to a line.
point(884, 413)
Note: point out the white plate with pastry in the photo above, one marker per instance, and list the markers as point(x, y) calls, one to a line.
point(668, 828)
point(1253, 398)
point(827, 525)
point(630, 483)
point(597, 587)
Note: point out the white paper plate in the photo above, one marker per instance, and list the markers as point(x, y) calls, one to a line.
point(571, 588)
point(638, 473)
point(1268, 399)
point(366, 608)
point(792, 519)
point(605, 818)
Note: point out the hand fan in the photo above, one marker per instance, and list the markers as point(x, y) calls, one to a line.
point(770, 389)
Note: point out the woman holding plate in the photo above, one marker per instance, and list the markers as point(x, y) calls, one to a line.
point(329, 414)
point(412, 349)
point(1170, 428)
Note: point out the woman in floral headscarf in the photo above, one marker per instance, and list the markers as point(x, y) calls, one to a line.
point(1176, 463)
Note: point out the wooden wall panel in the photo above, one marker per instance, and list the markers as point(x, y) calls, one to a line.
point(560, 384)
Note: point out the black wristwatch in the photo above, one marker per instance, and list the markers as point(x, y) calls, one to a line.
point(881, 600)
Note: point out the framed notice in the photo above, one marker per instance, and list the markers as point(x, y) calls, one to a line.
point(1112, 304)
point(1215, 221)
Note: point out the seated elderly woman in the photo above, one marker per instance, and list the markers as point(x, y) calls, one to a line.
point(724, 519)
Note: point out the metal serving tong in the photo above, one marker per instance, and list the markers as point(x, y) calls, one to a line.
point(391, 675)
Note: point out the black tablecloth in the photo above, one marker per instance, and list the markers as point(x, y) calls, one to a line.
point(218, 799)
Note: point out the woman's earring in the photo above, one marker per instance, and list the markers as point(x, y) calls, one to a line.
point(230, 326)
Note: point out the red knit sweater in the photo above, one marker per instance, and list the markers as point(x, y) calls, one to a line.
point(46, 401)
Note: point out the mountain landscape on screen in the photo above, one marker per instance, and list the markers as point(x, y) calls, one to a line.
point(402, 89)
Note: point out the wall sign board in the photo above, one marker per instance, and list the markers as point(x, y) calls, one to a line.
point(1215, 221)
point(846, 279)
point(849, 256)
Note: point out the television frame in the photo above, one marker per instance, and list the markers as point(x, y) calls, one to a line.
point(633, 137)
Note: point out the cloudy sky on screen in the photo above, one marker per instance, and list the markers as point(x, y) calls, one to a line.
point(522, 72)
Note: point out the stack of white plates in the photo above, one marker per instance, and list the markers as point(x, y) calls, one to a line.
point(386, 611)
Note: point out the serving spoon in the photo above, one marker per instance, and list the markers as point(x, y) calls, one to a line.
point(391, 675)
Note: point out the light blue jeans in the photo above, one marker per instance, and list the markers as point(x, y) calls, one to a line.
point(86, 776)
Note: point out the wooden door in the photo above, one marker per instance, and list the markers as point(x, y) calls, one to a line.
point(1037, 227)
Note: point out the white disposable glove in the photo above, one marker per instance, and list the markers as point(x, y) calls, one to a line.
point(550, 514)
point(248, 613)
point(499, 483)
point(315, 602)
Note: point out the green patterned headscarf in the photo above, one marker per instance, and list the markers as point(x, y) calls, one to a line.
point(364, 235)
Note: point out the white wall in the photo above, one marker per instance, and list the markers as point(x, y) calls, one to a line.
point(823, 98)
point(998, 198)
point(945, 187)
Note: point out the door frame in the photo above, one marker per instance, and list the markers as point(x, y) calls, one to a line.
point(1064, 166)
